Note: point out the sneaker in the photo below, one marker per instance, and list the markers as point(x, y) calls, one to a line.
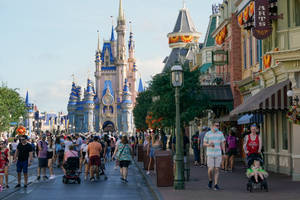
point(148, 173)
point(52, 177)
point(45, 178)
point(25, 186)
point(125, 180)
point(210, 185)
point(18, 186)
point(216, 187)
point(7, 186)
point(38, 178)
point(85, 178)
point(92, 179)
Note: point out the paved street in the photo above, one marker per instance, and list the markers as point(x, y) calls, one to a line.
point(112, 188)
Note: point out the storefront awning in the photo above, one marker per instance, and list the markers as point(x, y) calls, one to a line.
point(205, 67)
point(250, 118)
point(273, 97)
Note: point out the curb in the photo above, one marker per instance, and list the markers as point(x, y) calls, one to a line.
point(149, 183)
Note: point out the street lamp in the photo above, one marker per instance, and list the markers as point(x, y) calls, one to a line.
point(290, 94)
point(177, 81)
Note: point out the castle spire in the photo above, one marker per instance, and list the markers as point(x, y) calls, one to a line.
point(27, 99)
point(98, 46)
point(121, 12)
point(184, 5)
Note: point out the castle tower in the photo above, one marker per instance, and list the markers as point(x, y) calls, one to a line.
point(72, 107)
point(29, 115)
point(131, 70)
point(89, 107)
point(127, 106)
point(121, 51)
point(98, 64)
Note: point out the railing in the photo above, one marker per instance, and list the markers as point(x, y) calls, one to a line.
point(215, 78)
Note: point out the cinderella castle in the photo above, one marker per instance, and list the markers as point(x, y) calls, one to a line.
point(108, 102)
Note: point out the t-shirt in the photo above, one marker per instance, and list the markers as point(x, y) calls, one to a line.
point(84, 147)
point(70, 154)
point(124, 152)
point(231, 142)
point(201, 137)
point(43, 152)
point(24, 151)
point(94, 149)
point(14, 146)
point(79, 142)
point(186, 141)
point(195, 140)
point(68, 144)
point(217, 139)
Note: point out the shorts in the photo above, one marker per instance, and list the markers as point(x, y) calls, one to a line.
point(214, 161)
point(124, 163)
point(12, 153)
point(152, 153)
point(50, 155)
point(22, 166)
point(231, 152)
point(43, 162)
point(94, 160)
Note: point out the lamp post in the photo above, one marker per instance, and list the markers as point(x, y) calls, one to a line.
point(177, 81)
point(290, 94)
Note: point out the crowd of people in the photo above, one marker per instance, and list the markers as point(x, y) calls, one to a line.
point(52, 151)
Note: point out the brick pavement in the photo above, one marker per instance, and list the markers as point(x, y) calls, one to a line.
point(233, 187)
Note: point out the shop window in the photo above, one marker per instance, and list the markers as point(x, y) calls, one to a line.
point(284, 131)
point(272, 124)
point(297, 12)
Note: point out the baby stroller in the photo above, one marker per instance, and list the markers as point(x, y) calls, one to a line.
point(72, 173)
point(261, 184)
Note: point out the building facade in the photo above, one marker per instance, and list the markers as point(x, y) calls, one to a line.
point(107, 103)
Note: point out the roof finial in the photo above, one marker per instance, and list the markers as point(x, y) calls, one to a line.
point(73, 77)
point(89, 73)
point(130, 22)
point(112, 37)
point(184, 5)
point(98, 46)
point(121, 12)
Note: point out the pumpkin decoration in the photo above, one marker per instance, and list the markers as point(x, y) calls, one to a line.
point(240, 19)
point(246, 14)
point(220, 38)
point(251, 9)
point(173, 39)
point(21, 130)
point(267, 61)
point(186, 38)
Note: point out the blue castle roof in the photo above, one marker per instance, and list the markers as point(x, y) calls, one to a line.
point(141, 87)
point(108, 85)
point(112, 37)
point(107, 46)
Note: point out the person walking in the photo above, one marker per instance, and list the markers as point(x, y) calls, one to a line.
point(123, 152)
point(231, 152)
point(154, 146)
point(202, 147)
point(50, 155)
point(196, 148)
point(42, 158)
point(13, 148)
point(215, 142)
point(23, 157)
point(94, 150)
point(252, 144)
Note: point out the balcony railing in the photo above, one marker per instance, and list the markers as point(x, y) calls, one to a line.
point(215, 78)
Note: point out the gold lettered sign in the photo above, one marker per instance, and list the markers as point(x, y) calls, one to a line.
point(263, 27)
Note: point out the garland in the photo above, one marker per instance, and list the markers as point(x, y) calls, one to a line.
point(293, 114)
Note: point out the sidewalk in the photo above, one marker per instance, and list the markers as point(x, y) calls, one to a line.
point(233, 186)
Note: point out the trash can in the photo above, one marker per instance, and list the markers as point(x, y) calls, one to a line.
point(146, 160)
point(164, 168)
point(140, 153)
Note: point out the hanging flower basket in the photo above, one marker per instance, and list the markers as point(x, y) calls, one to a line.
point(293, 114)
point(21, 130)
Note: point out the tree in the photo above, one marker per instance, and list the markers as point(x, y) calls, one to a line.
point(140, 111)
point(12, 107)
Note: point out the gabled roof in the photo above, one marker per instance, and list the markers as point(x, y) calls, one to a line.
point(173, 57)
point(184, 23)
point(209, 40)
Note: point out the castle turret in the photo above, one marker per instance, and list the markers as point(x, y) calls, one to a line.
point(98, 64)
point(29, 115)
point(131, 71)
point(72, 107)
point(89, 106)
point(113, 42)
point(127, 106)
point(141, 87)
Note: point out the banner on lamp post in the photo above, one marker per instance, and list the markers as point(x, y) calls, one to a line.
point(263, 27)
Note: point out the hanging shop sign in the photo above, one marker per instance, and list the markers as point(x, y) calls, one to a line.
point(262, 28)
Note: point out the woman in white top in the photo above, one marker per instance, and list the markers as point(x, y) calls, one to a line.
point(84, 159)
point(51, 155)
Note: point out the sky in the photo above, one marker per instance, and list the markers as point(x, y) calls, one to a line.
point(44, 42)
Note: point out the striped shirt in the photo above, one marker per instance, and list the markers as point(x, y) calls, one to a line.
point(217, 139)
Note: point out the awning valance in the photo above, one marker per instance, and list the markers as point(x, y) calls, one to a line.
point(273, 97)
point(250, 118)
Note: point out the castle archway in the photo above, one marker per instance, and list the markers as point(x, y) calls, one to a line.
point(108, 126)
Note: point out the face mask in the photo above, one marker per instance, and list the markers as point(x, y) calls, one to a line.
point(216, 129)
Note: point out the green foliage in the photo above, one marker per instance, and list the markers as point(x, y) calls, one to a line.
point(192, 103)
point(12, 106)
point(143, 103)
